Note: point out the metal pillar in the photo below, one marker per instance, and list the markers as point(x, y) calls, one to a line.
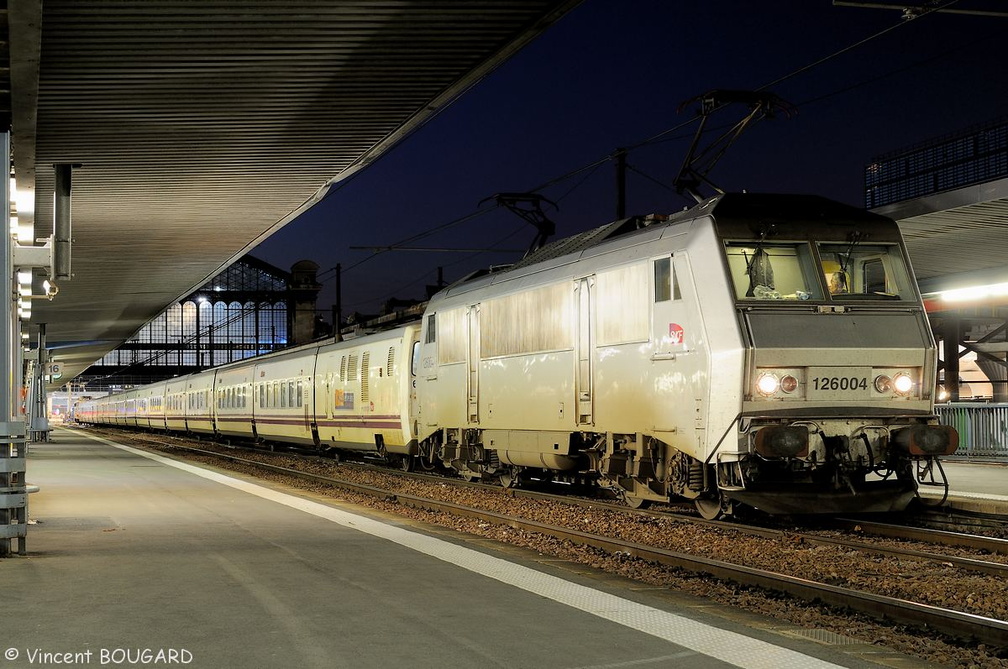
point(13, 496)
point(951, 333)
point(39, 414)
point(62, 225)
point(199, 356)
point(338, 309)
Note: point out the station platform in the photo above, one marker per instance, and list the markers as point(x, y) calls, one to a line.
point(137, 559)
point(976, 487)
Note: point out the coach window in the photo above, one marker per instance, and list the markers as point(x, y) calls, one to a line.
point(300, 394)
point(415, 362)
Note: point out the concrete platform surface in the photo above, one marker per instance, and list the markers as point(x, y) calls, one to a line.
point(979, 487)
point(138, 560)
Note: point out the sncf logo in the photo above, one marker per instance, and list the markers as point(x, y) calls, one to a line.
point(676, 333)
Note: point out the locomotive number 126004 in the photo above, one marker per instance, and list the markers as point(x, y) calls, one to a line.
point(821, 383)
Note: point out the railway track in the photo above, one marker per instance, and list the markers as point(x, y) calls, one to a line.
point(953, 623)
point(926, 534)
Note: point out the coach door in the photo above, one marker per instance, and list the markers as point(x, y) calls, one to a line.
point(472, 362)
point(583, 349)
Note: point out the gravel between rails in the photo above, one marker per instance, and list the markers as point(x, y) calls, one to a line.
point(926, 582)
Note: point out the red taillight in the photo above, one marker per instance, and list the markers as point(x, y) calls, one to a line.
point(928, 440)
point(778, 441)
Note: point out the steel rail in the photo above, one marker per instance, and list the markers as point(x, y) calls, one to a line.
point(942, 537)
point(961, 625)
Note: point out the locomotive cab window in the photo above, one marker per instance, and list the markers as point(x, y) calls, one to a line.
point(665, 285)
point(855, 271)
point(762, 271)
point(431, 331)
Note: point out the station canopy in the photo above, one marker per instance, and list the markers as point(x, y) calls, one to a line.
point(200, 128)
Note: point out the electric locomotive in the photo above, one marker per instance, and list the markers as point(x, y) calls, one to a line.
point(713, 356)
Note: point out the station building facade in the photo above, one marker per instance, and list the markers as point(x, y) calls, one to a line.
point(249, 309)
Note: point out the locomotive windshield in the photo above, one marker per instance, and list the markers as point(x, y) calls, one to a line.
point(837, 271)
point(774, 271)
point(865, 272)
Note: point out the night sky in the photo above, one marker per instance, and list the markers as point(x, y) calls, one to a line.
point(614, 73)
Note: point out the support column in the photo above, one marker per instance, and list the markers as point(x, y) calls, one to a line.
point(950, 353)
point(338, 309)
point(13, 496)
point(39, 414)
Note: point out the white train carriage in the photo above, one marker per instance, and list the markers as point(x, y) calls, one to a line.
point(85, 412)
point(136, 409)
point(126, 410)
point(282, 396)
point(175, 402)
point(363, 390)
point(704, 357)
point(104, 411)
point(233, 400)
point(150, 411)
point(199, 403)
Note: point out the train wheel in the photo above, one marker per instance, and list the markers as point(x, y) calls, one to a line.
point(636, 502)
point(713, 507)
point(509, 477)
point(406, 463)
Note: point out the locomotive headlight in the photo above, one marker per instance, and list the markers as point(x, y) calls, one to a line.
point(903, 384)
point(767, 384)
point(789, 384)
point(883, 384)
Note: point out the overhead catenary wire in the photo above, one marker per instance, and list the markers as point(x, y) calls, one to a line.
point(660, 137)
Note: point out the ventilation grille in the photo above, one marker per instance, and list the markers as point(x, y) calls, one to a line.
point(365, 362)
point(351, 372)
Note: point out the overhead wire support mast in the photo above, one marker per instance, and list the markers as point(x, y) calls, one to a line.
point(697, 165)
